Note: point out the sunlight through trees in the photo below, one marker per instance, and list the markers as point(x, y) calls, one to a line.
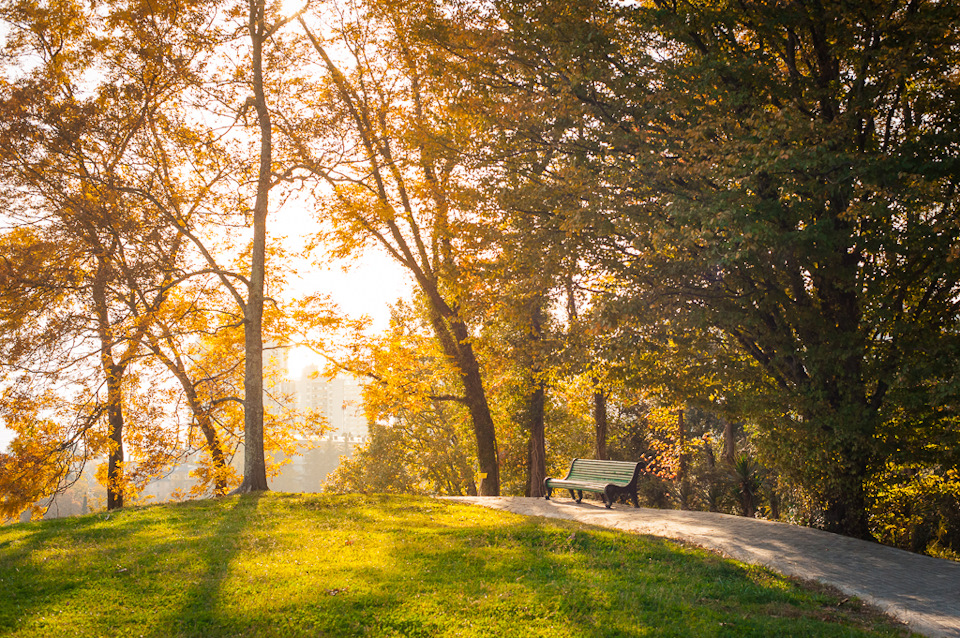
point(721, 235)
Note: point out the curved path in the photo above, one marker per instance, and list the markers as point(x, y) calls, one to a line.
point(921, 591)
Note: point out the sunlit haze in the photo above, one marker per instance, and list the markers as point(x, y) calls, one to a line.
point(365, 287)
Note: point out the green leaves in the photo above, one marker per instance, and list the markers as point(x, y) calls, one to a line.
point(751, 200)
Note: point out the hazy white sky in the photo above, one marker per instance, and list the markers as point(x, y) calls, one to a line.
point(368, 288)
point(370, 284)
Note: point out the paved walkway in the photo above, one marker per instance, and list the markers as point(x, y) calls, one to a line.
point(921, 591)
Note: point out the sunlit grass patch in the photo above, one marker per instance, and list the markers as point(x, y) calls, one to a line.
point(309, 565)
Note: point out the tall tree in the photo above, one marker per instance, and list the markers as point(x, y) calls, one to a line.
point(74, 142)
point(398, 181)
point(254, 466)
point(241, 87)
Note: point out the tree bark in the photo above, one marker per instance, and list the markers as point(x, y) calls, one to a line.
point(729, 444)
point(682, 478)
point(537, 446)
point(202, 415)
point(113, 374)
point(254, 465)
point(115, 478)
point(480, 415)
point(600, 421)
point(846, 505)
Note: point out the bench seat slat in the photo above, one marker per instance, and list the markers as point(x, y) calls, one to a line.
point(579, 485)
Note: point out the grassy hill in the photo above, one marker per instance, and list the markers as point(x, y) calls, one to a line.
point(315, 565)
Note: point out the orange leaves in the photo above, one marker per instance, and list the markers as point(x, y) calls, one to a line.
point(37, 458)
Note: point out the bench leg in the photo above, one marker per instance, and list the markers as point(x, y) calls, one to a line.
point(579, 495)
point(636, 503)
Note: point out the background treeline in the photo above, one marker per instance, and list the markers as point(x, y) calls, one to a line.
point(721, 234)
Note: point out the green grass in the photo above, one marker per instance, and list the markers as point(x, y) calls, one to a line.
point(311, 565)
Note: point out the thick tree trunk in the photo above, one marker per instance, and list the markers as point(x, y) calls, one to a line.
point(482, 421)
point(846, 505)
point(600, 421)
point(537, 446)
point(847, 423)
point(455, 340)
point(254, 464)
point(114, 378)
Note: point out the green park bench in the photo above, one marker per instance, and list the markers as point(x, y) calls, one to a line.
point(610, 479)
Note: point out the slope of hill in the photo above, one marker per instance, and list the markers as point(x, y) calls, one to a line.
point(317, 565)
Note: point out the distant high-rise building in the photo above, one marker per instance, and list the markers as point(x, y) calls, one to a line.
point(338, 399)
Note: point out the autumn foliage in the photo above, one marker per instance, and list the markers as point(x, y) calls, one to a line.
point(722, 236)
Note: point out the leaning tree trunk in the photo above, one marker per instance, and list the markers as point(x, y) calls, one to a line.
point(454, 338)
point(482, 420)
point(203, 417)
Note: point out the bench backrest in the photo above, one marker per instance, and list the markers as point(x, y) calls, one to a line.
point(616, 472)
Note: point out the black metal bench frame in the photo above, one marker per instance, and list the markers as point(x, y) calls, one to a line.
point(609, 479)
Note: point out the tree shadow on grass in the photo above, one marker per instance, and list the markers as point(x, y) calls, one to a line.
point(194, 608)
point(45, 565)
point(108, 574)
point(501, 575)
point(294, 565)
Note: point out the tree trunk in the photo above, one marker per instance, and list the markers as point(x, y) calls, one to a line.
point(537, 447)
point(214, 447)
point(846, 507)
point(176, 367)
point(483, 427)
point(600, 421)
point(114, 377)
point(729, 444)
point(682, 478)
point(115, 478)
point(254, 465)
point(712, 491)
point(454, 338)
point(217, 456)
point(746, 504)
point(848, 424)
